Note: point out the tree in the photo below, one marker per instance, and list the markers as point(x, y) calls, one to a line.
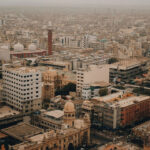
point(70, 147)
point(112, 60)
point(29, 62)
point(103, 91)
point(70, 87)
point(141, 90)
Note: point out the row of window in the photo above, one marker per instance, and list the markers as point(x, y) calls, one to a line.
point(22, 76)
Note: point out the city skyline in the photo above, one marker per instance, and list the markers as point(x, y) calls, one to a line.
point(73, 2)
point(74, 74)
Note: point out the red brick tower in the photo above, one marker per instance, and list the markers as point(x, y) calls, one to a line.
point(49, 42)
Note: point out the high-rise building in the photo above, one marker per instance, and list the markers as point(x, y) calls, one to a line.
point(22, 88)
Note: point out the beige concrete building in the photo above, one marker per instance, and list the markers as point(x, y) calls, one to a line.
point(92, 74)
point(48, 119)
point(119, 146)
point(142, 132)
point(22, 88)
point(53, 79)
point(60, 65)
point(75, 133)
point(48, 91)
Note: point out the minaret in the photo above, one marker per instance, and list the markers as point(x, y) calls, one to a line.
point(49, 38)
point(49, 41)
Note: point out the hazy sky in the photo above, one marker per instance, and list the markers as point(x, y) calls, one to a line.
point(72, 2)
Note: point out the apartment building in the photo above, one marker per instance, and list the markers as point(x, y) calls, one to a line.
point(92, 90)
point(120, 110)
point(48, 91)
point(127, 70)
point(22, 88)
point(134, 109)
point(142, 132)
point(92, 74)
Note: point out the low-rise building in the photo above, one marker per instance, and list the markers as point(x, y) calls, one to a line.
point(9, 116)
point(48, 119)
point(92, 74)
point(56, 65)
point(120, 145)
point(92, 90)
point(142, 131)
point(126, 70)
point(48, 91)
point(75, 133)
point(120, 110)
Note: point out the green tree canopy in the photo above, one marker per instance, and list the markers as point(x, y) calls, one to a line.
point(103, 91)
point(70, 87)
point(112, 60)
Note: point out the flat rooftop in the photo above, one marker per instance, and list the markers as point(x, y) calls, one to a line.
point(27, 51)
point(40, 137)
point(100, 83)
point(143, 128)
point(130, 101)
point(121, 99)
point(120, 145)
point(128, 64)
point(56, 63)
point(6, 111)
point(20, 70)
point(22, 131)
point(54, 113)
point(108, 97)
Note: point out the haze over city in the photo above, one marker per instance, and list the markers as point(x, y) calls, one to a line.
point(73, 2)
point(74, 74)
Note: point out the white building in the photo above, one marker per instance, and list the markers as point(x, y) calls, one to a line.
point(2, 22)
point(22, 88)
point(86, 91)
point(92, 90)
point(92, 74)
point(85, 42)
point(4, 53)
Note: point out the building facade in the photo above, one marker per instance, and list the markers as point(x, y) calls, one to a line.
point(75, 133)
point(120, 110)
point(127, 70)
point(22, 88)
point(92, 74)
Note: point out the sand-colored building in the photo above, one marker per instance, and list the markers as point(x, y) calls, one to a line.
point(53, 80)
point(143, 132)
point(75, 133)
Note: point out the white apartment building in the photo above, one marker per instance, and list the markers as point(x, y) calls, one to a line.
point(92, 74)
point(92, 90)
point(4, 53)
point(86, 92)
point(22, 88)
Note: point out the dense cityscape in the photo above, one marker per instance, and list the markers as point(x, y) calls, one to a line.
point(74, 78)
